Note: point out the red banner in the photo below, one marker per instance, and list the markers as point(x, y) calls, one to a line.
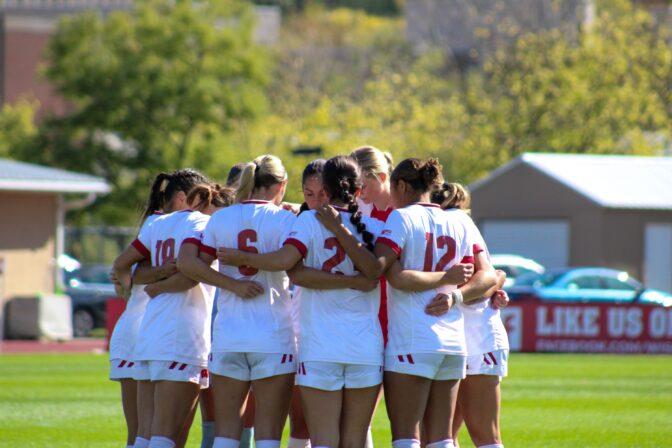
point(594, 328)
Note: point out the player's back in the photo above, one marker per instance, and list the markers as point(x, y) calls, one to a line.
point(176, 326)
point(427, 239)
point(262, 324)
point(336, 325)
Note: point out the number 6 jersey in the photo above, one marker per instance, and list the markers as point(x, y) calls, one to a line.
point(176, 326)
point(426, 238)
point(262, 324)
point(336, 325)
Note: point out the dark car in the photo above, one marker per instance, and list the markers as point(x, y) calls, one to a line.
point(89, 287)
point(586, 285)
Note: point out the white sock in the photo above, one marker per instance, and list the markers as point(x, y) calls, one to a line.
point(298, 443)
point(494, 445)
point(223, 442)
point(247, 438)
point(161, 442)
point(266, 444)
point(369, 438)
point(141, 442)
point(406, 443)
point(448, 443)
point(208, 434)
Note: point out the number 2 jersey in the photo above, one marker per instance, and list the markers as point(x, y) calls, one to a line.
point(426, 238)
point(176, 326)
point(335, 325)
point(262, 324)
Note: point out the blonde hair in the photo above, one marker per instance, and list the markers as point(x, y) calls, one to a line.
point(264, 171)
point(373, 161)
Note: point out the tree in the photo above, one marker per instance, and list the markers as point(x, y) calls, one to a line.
point(145, 85)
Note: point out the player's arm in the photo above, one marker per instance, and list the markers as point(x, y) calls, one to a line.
point(418, 281)
point(365, 261)
point(501, 277)
point(484, 279)
point(282, 259)
point(121, 268)
point(145, 273)
point(197, 265)
point(177, 282)
point(317, 279)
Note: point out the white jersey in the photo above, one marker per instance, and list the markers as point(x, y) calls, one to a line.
point(337, 325)
point(484, 329)
point(262, 324)
point(426, 238)
point(125, 331)
point(176, 326)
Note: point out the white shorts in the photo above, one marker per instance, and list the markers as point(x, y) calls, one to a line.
point(435, 366)
point(336, 376)
point(494, 363)
point(251, 366)
point(171, 371)
point(121, 369)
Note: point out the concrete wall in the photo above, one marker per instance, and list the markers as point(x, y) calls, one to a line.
point(27, 234)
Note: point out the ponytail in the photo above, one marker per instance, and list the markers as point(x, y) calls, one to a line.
point(156, 199)
point(203, 195)
point(451, 195)
point(421, 176)
point(342, 178)
point(246, 182)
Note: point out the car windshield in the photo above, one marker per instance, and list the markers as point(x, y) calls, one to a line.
point(538, 280)
point(92, 274)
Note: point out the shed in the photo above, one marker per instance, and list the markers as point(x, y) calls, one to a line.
point(32, 225)
point(582, 210)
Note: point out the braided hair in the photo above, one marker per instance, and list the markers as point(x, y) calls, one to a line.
point(342, 178)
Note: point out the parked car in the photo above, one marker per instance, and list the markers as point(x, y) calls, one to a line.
point(89, 287)
point(586, 285)
point(515, 266)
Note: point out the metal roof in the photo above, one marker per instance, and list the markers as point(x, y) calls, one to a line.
point(20, 176)
point(611, 181)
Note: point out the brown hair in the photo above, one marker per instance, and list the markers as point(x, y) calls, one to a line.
point(203, 195)
point(421, 176)
point(264, 171)
point(165, 186)
point(452, 195)
point(342, 178)
point(372, 160)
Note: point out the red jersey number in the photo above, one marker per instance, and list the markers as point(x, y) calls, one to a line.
point(246, 237)
point(165, 251)
point(442, 242)
point(337, 258)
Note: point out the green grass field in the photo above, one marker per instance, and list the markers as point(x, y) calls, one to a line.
point(549, 401)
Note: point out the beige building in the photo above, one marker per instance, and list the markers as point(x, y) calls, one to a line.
point(32, 211)
point(582, 210)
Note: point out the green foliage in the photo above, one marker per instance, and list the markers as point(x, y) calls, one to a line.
point(17, 128)
point(149, 87)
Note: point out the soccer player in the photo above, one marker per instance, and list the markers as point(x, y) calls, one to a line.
point(426, 354)
point(478, 400)
point(340, 341)
point(253, 340)
point(125, 331)
point(171, 355)
point(375, 201)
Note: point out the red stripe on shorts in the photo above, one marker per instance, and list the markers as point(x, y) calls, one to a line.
point(122, 363)
point(485, 359)
point(173, 365)
point(284, 358)
point(400, 358)
point(183, 366)
point(493, 358)
point(410, 359)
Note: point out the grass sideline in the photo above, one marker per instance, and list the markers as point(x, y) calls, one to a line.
point(65, 400)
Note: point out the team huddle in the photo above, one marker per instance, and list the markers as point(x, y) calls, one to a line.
point(379, 283)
